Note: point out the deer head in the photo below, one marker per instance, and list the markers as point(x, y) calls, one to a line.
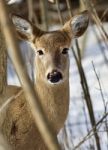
point(51, 48)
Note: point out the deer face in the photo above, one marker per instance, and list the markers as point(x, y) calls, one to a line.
point(51, 48)
point(52, 60)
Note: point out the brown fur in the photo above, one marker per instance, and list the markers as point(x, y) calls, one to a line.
point(18, 125)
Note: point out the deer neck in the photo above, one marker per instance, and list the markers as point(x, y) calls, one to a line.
point(54, 100)
point(53, 92)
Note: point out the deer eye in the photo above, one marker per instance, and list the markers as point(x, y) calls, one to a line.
point(40, 52)
point(65, 50)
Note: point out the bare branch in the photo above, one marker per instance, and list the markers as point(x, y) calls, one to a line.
point(59, 13)
point(90, 132)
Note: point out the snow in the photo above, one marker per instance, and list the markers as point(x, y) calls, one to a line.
point(75, 126)
point(13, 1)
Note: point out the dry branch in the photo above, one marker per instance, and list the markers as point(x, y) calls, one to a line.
point(83, 81)
point(90, 132)
point(5, 104)
point(86, 94)
point(102, 95)
point(59, 12)
point(44, 14)
point(85, 89)
point(30, 10)
point(101, 47)
point(104, 14)
point(3, 63)
point(94, 14)
point(69, 8)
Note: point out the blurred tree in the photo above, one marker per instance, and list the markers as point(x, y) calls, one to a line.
point(3, 63)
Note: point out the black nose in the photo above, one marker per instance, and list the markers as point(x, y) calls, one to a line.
point(54, 76)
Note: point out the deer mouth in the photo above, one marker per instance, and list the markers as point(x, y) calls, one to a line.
point(54, 77)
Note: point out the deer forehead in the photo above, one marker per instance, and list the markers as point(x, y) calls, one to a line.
point(52, 41)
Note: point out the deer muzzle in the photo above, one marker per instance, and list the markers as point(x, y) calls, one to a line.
point(55, 76)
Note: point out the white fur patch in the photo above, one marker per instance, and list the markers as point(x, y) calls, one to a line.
point(79, 22)
point(22, 25)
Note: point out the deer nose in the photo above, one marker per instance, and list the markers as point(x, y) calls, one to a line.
point(55, 76)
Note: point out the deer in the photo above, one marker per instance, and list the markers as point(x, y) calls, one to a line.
point(51, 81)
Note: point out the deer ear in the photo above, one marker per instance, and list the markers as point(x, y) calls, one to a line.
point(77, 25)
point(25, 29)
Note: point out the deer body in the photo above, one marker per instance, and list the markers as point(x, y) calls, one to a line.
point(51, 82)
point(19, 125)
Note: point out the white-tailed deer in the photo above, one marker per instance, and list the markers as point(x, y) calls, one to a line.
point(51, 82)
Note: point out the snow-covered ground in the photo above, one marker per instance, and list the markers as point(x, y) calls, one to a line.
point(77, 125)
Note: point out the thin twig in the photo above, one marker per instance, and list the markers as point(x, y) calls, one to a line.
point(30, 9)
point(99, 85)
point(85, 90)
point(93, 11)
point(104, 14)
point(87, 96)
point(101, 47)
point(69, 8)
point(59, 13)
point(44, 13)
point(31, 13)
point(10, 99)
point(92, 130)
point(102, 95)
